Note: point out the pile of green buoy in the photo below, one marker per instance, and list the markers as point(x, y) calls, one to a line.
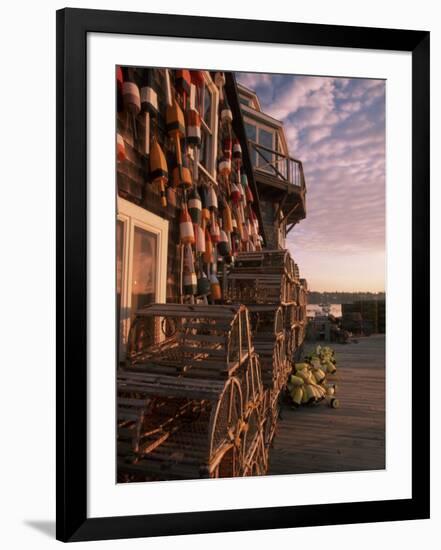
point(309, 384)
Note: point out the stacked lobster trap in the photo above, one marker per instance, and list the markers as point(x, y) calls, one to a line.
point(199, 393)
point(268, 283)
point(190, 398)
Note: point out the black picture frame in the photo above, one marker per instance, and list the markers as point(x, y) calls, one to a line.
point(71, 431)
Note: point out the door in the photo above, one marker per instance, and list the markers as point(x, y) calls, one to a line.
point(141, 266)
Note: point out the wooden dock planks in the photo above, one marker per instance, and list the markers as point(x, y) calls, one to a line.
point(321, 439)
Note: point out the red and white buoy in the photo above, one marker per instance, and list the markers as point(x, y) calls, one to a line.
point(224, 167)
point(220, 81)
point(214, 230)
point(120, 148)
point(199, 233)
point(182, 84)
point(119, 89)
point(149, 105)
point(186, 232)
point(195, 206)
point(131, 98)
point(223, 246)
point(190, 282)
point(237, 152)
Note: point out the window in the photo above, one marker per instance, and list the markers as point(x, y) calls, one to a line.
point(266, 139)
point(209, 110)
point(251, 132)
point(141, 264)
point(264, 136)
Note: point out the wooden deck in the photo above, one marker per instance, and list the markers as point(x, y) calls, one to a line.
point(321, 439)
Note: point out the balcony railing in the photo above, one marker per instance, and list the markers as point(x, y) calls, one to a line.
point(275, 163)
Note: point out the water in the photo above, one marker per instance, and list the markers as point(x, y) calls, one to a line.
point(323, 309)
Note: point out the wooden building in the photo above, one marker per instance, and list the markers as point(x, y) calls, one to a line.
point(278, 175)
point(205, 198)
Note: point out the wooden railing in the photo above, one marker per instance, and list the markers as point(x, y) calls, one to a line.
point(277, 164)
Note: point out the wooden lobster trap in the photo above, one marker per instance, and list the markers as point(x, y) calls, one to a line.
point(272, 410)
point(254, 412)
point(291, 322)
point(265, 277)
point(258, 288)
point(198, 382)
point(265, 261)
point(182, 437)
point(267, 328)
point(256, 462)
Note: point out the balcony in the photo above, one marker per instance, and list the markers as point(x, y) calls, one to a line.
point(280, 178)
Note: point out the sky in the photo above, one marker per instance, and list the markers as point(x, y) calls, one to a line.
point(336, 127)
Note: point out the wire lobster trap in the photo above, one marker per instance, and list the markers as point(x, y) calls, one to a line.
point(197, 378)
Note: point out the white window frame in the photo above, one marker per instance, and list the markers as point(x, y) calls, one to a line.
point(134, 216)
point(268, 128)
point(211, 170)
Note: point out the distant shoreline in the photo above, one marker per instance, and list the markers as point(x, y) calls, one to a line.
point(315, 297)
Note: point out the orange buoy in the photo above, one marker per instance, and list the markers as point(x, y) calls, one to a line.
point(226, 218)
point(205, 211)
point(158, 169)
point(182, 176)
point(216, 293)
point(175, 127)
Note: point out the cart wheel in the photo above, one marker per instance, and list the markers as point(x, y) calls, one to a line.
point(334, 403)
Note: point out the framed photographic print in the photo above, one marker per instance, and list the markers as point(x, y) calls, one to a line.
point(242, 274)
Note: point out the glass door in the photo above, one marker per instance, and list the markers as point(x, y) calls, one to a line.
point(141, 269)
point(144, 290)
